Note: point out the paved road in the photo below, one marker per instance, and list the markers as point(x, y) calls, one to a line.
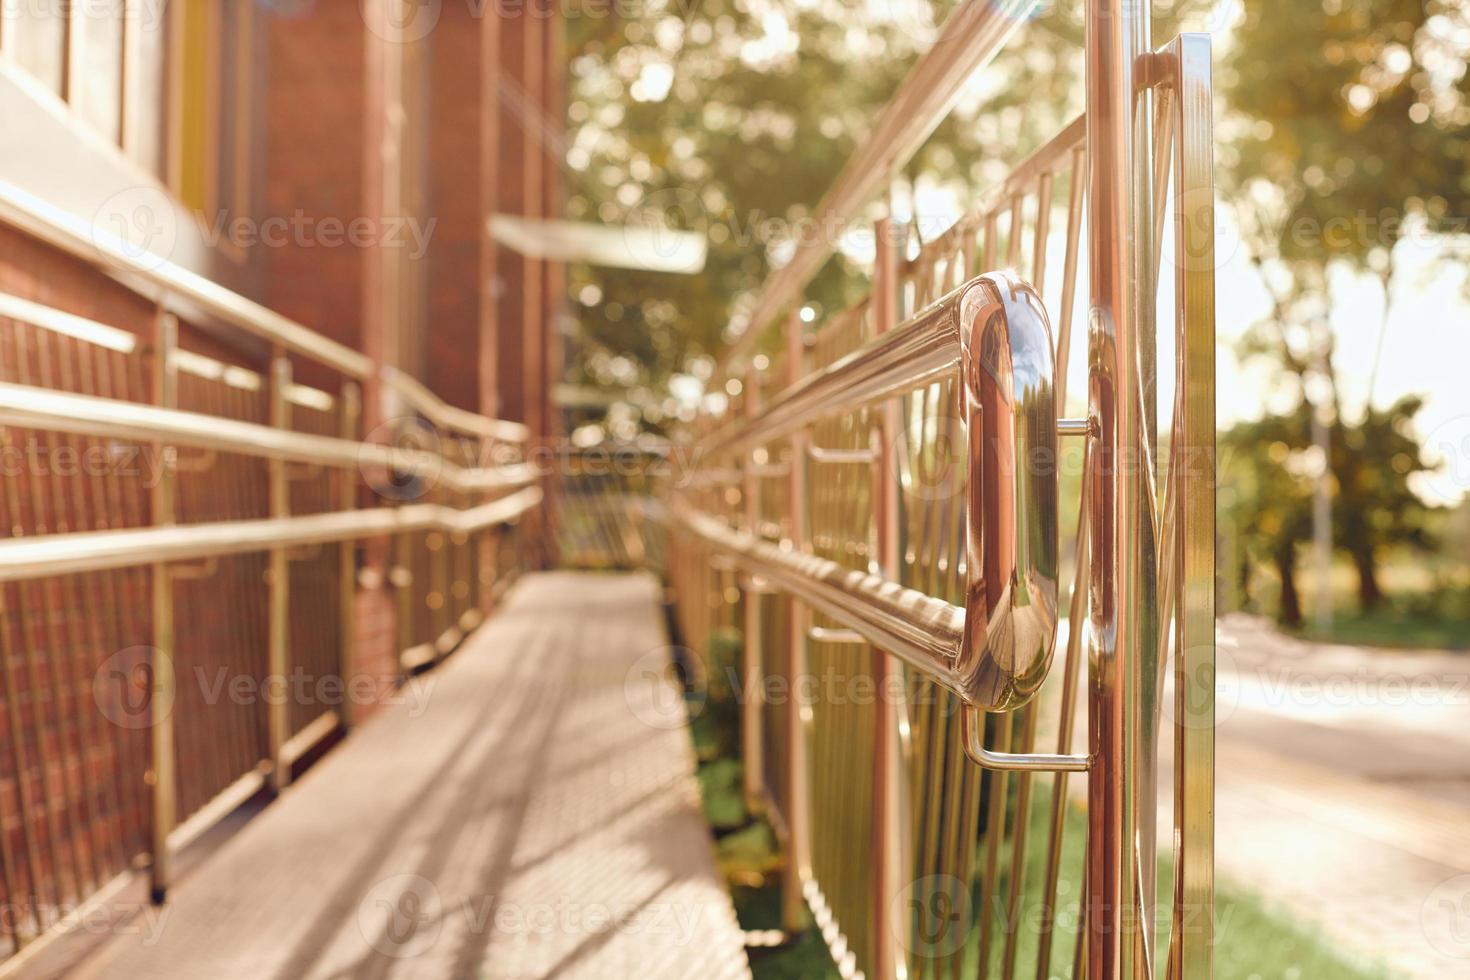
point(1344, 790)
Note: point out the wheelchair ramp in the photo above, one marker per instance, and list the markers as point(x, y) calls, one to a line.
point(528, 810)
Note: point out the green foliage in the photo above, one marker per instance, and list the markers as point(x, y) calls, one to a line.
point(732, 118)
point(1356, 119)
point(1350, 128)
point(1267, 503)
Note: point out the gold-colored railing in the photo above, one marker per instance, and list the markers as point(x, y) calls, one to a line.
point(607, 508)
point(874, 514)
point(183, 568)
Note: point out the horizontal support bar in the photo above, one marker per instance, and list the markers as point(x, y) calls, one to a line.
point(823, 634)
point(30, 407)
point(856, 456)
point(1074, 427)
point(920, 629)
point(755, 585)
point(446, 416)
point(155, 277)
point(924, 348)
point(973, 734)
point(94, 551)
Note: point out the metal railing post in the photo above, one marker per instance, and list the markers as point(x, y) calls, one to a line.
point(163, 777)
point(798, 860)
point(278, 721)
point(351, 407)
point(751, 701)
point(889, 830)
point(1123, 707)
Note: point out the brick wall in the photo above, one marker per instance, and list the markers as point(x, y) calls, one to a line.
point(454, 204)
point(312, 169)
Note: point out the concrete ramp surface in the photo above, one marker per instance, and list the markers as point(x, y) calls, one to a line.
point(529, 809)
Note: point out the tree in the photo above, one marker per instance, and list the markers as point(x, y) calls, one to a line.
point(732, 118)
point(1353, 129)
point(1377, 509)
point(1268, 503)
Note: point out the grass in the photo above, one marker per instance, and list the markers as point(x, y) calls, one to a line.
point(1426, 604)
point(1391, 626)
point(1255, 939)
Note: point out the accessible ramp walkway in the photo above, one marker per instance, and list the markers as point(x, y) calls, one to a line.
point(529, 809)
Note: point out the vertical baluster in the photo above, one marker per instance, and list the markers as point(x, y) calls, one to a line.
point(751, 705)
point(889, 829)
point(278, 725)
point(350, 407)
point(797, 859)
point(1191, 954)
point(161, 727)
point(1123, 706)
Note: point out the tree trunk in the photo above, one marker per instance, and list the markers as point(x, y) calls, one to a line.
point(1291, 600)
point(1369, 595)
point(1243, 580)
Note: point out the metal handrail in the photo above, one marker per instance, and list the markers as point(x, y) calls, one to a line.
point(95, 551)
point(924, 631)
point(158, 278)
point(43, 408)
point(954, 646)
point(968, 40)
point(446, 416)
point(926, 347)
